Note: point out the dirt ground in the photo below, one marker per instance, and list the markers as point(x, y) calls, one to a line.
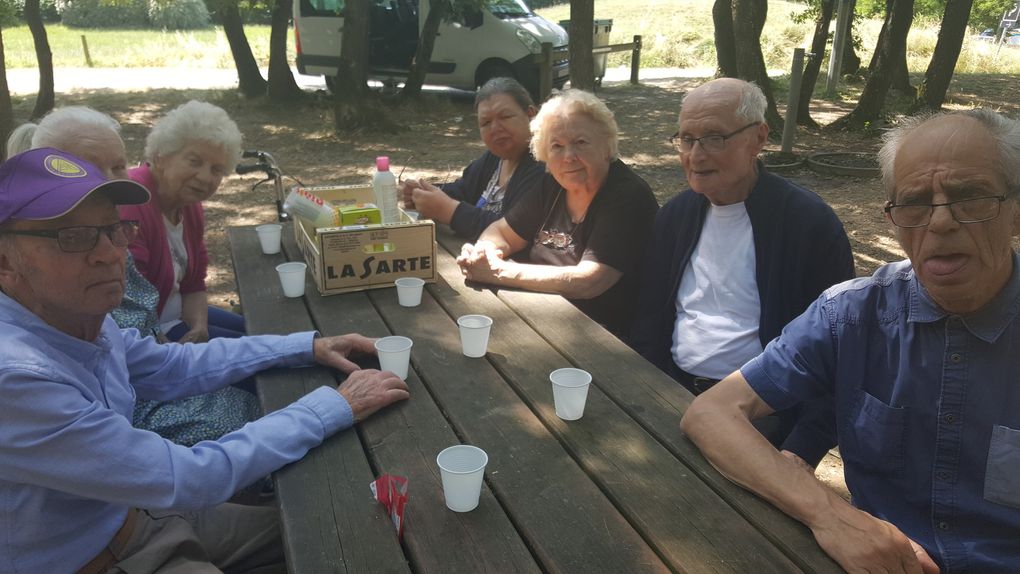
point(437, 137)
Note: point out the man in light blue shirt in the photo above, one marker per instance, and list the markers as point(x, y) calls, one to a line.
point(919, 360)
point(72, 469)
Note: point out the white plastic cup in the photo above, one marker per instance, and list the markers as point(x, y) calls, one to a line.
point(269, 237)
point(409, 291)
point(292, 278)
point(570, 392)
point(462, 467)
point(474, 334)
point(394, 354)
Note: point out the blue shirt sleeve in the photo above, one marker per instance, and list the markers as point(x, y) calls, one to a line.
point(799, 364)
point(55, 437)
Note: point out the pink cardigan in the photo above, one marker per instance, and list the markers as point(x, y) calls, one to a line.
point(151, 249)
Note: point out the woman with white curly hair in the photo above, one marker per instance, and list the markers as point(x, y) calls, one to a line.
point(583, 234)
point(188, 153)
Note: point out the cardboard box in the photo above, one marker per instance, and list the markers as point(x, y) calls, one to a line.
point(355, 258)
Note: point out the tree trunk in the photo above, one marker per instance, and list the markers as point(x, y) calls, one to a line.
point(281, 85)
point(725, 50)
point(901, 78)
point(932, 91)
point(45, 99)
point(814, 65)
point(6, 109)
point(582, 32)
point(889, 52)
point(851, 61)
point(350, 97)
point(748, 21)
point(438, 9)
point(249, 78)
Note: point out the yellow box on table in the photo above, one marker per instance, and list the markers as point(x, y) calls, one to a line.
point(358, 257)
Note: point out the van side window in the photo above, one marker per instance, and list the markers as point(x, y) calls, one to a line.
point(322, 7)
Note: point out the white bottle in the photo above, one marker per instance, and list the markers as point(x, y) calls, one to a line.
point(384, 185)
point(306, 205)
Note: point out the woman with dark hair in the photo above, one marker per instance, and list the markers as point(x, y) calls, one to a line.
point(491, 184)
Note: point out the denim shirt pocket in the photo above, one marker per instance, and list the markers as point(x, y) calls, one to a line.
point(873, 437)
point(1002, 471)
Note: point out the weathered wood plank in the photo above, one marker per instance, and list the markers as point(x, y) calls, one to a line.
point(654, 400)
point(569, 523)
point(687, 523)
point(405, 440)
point(345, 530)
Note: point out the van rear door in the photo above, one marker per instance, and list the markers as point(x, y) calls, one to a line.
point(318, 25)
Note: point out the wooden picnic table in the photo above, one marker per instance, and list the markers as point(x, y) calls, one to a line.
point(620, 490)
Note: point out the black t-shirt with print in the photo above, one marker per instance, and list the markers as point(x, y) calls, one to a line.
point(614, 232)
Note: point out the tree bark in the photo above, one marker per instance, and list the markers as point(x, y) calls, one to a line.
point(438, 10)
point(851, 61)
point(582, 32)
point(6, 108)
point(814, 64)
point(892, 46)
point(748, 21)
point(249, 77)
point(45, 99)
point(725, 50)
point(931, 93)
point(350, 97)
point(281, 84)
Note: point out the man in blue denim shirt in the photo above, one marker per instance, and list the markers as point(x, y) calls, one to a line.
point(921, 363)
point(72, 469)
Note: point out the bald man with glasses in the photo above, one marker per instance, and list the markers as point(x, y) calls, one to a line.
point(734, 258)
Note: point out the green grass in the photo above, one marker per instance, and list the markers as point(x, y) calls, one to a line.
point(134, 48)
point(676, 33)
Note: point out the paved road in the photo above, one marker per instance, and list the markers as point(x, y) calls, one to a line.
point(23, 81)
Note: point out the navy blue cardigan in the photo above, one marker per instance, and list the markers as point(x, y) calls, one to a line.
point(800, 249)
point(469, 221)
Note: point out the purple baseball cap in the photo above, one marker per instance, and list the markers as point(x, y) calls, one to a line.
point(46, 183)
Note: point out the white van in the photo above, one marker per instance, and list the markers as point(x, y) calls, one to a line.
point(498, 41)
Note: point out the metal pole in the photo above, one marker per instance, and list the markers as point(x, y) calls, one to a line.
point(838, 45)
point(793, 101)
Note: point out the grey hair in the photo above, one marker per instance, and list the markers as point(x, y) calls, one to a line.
point(1006, 132)
point(190, 122)
point(504, 85)
point(68, 126)
point(568, 103)
point(752, 103)
point(20, 139)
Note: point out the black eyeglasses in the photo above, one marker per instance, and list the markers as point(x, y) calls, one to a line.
point(81, 238)
point(712, 143)
point(973, 210)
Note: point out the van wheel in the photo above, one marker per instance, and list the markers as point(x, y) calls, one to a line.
point(493, 70)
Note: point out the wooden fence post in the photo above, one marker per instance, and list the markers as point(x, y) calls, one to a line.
point(635, 60)
point(85, 48)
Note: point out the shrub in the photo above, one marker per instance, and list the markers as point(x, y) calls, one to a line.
point(104, 13)
point(178, 15)
point(12, 12)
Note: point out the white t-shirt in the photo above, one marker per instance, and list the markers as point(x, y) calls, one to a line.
point(717, 305)
point(171, 314)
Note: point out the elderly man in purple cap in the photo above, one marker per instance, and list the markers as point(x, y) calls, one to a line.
point(75, 473)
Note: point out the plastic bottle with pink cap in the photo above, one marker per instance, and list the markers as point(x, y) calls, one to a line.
point(384, 186)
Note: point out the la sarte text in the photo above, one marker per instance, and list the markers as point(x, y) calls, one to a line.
point(372, 266)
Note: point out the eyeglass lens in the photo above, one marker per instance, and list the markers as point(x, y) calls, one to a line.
point(963, 211)
point(77, 239)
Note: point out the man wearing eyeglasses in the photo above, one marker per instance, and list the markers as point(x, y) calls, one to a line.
point(73, 472)
point(921, 362)
point(735, 257)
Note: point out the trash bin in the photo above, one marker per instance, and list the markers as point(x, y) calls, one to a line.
point(600, 37)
